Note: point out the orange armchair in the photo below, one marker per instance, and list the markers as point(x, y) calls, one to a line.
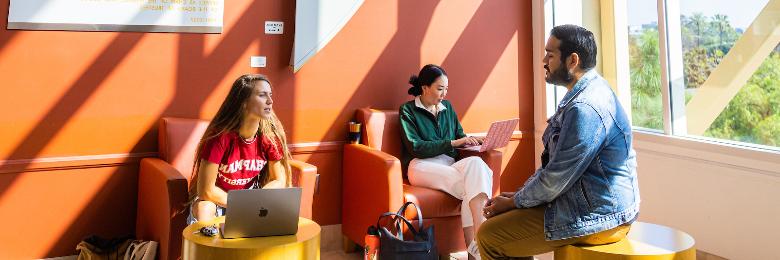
point(372, 184)
point(162, 185)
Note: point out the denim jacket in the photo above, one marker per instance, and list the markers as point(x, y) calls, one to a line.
point(587, 180)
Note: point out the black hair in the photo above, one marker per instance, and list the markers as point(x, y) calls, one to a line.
point(575, 39)
point(428, 74)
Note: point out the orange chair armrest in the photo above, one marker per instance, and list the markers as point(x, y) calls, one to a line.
point(371, 184)
point(161, 213)
point(305, 175)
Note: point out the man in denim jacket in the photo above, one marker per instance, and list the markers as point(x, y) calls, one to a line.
point(586, 190)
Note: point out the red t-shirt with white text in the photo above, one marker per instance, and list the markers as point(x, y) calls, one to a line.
point(244, 161)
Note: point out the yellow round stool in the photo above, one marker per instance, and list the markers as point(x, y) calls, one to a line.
point(303, 245)
point(645, 241)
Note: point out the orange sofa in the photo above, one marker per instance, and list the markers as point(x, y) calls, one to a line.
point(163, 182)
point(372, 184)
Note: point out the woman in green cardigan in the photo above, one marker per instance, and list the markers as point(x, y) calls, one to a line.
point(431, 131)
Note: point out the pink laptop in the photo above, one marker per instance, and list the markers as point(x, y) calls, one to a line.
point(497, 136)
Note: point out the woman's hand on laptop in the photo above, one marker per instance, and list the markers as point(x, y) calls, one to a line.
point(465, 141)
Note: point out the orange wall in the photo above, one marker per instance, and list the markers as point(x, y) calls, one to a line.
point(71, 94)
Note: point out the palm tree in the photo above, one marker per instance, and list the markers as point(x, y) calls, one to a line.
point(699, 22)
point(722, 23)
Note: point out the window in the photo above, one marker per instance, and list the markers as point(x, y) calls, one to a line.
point(705, 69)
point(560, 12)
point(731, 91)
point(644, 65)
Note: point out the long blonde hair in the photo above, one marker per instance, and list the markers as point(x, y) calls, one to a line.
point(229, 118)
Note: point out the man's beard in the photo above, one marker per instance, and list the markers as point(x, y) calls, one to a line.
point(560, 76)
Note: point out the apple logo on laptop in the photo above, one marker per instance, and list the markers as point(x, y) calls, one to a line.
point(263, 212)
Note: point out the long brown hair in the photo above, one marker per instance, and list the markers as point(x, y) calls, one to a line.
point(229, 118)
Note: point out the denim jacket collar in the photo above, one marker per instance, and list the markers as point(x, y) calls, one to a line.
point(578, 87)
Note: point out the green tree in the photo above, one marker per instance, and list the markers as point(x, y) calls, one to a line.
point(753, 115)
point(645, 66)
point(696, 27)
point(721, 22)
point(698, 63)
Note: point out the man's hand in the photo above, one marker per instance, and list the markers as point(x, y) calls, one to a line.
point(500, 204)
point(503, 194)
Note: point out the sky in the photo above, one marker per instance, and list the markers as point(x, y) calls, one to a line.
point(740, 12)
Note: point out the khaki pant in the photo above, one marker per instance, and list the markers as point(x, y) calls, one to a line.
point(519, 234)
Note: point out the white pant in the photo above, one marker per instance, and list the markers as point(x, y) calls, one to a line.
point(464, 179)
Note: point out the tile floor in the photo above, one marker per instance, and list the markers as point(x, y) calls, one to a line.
point(330, 247)
point(340, 255)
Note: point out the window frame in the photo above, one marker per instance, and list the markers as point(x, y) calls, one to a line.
point(612, 41)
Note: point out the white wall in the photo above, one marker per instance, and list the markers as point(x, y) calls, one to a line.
point(727, 198)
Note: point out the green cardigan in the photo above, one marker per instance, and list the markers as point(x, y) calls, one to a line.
point(425, 136)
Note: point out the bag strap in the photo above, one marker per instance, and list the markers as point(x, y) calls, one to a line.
point(399, 216)
point(397, 221)
point(419, 213)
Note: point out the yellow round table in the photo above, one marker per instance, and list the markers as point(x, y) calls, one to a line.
point(645, 241)
point(303, 245)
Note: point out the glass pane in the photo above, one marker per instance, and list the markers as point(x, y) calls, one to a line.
point(559, 12)
point(709, 31)
point(645, 65)
point(753, 115)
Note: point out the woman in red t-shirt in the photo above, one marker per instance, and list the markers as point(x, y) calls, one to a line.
point(244, 147)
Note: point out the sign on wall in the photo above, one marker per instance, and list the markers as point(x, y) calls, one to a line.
point(192, 16)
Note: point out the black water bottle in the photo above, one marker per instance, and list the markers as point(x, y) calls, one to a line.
point(353, 134)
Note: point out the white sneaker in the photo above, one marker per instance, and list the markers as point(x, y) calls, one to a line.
point(473, 250)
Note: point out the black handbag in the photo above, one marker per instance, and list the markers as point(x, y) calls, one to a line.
point(392, 244)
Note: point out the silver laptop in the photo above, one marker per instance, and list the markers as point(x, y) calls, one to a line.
point(497, 136)
point(262, 212)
